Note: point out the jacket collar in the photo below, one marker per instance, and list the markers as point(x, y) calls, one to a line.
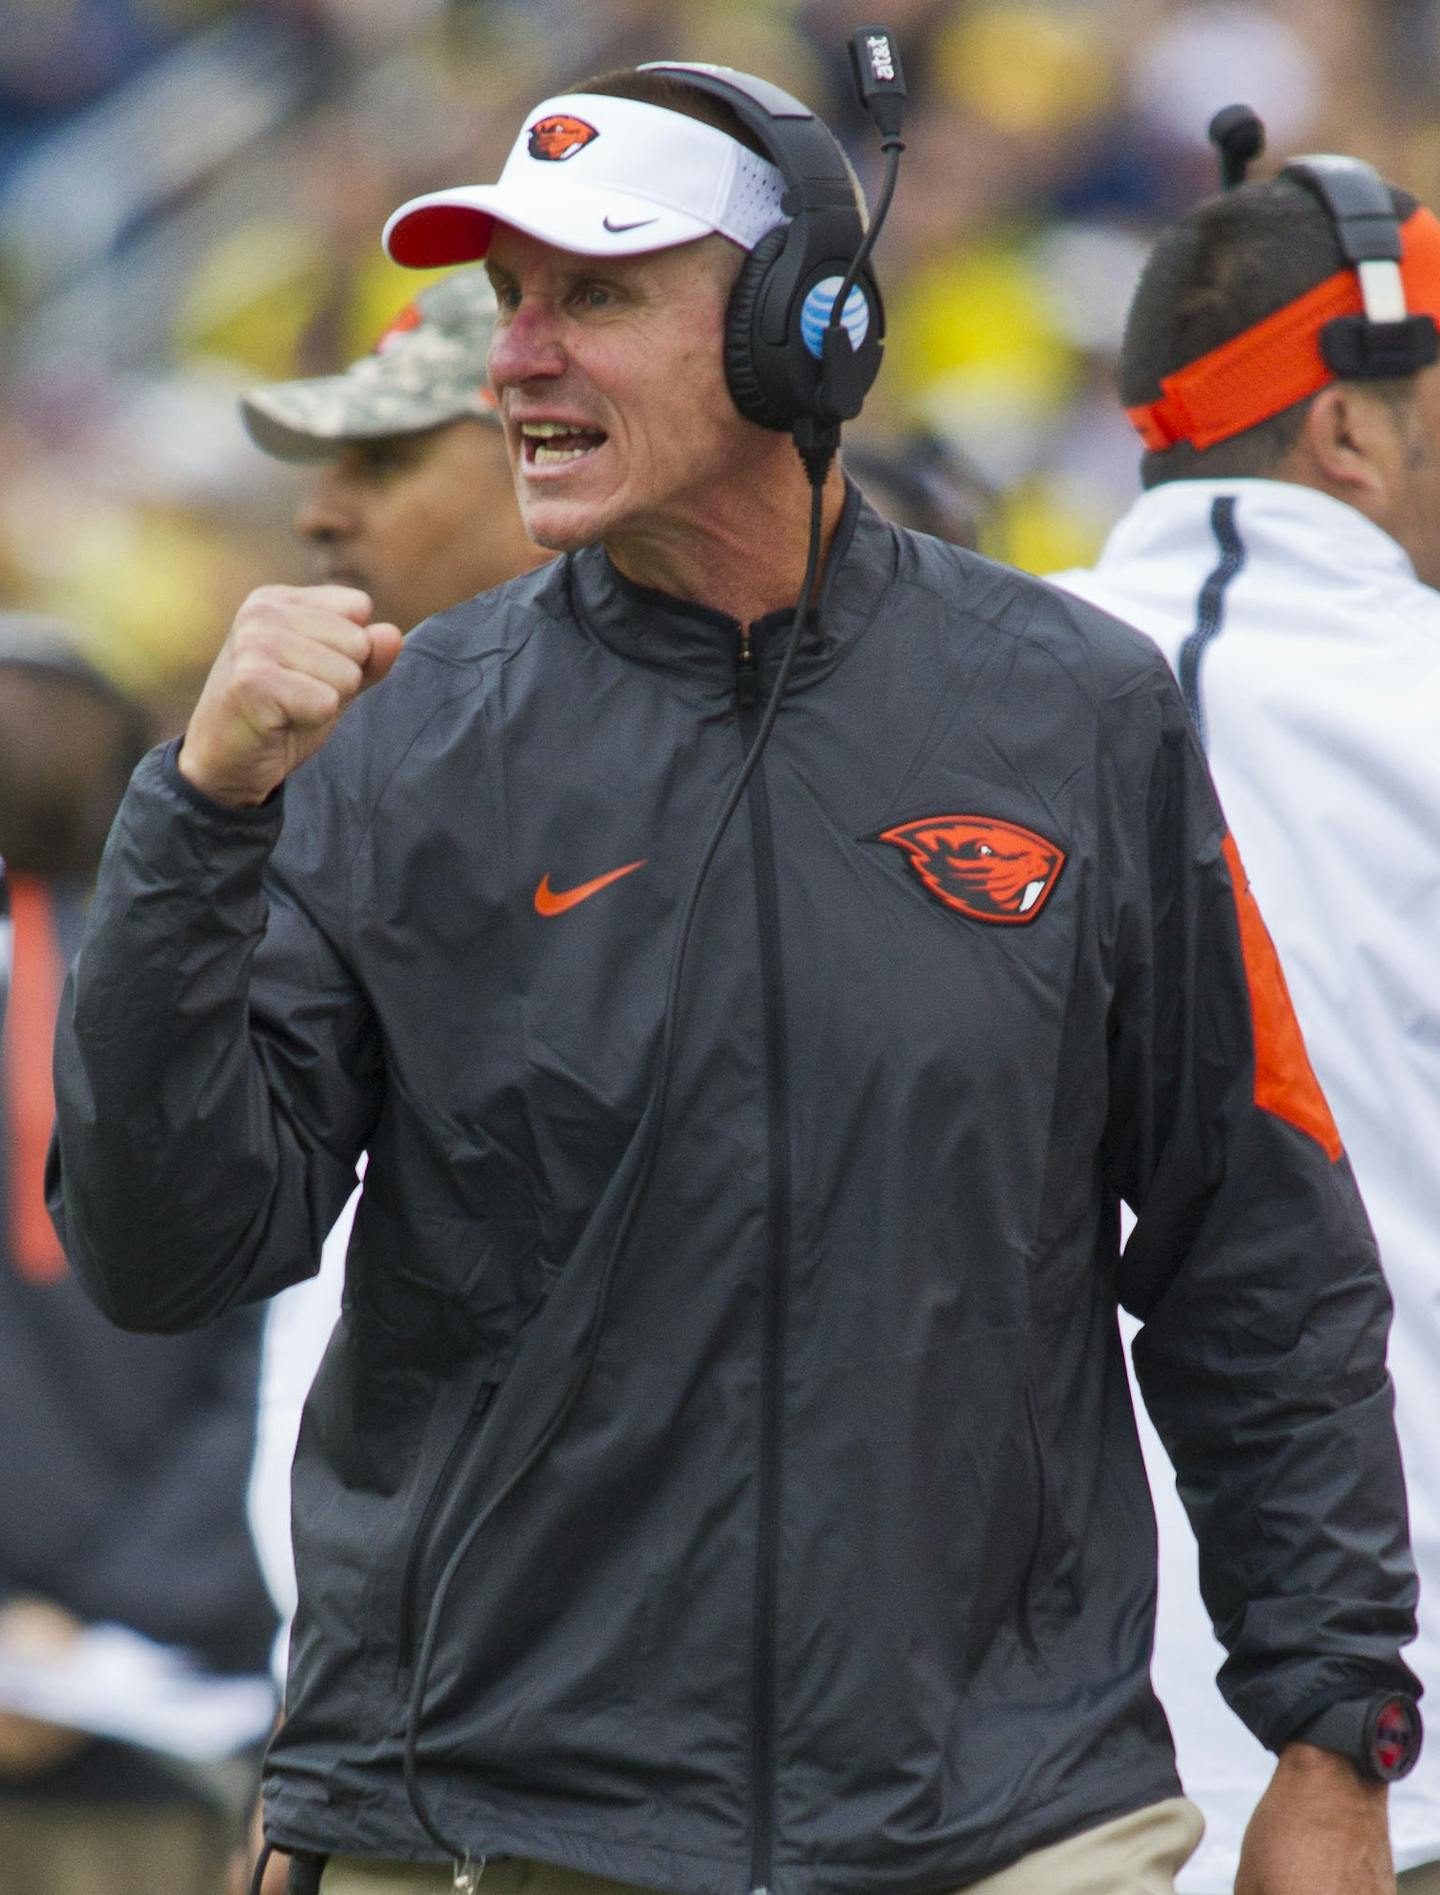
point(1296, 525)
point(693, 641)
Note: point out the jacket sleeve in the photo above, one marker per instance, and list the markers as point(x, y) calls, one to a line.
point(217, 1067)
point(1252, 1268)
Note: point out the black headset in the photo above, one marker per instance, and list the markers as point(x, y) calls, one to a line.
point(1385, 340)
point(778, 365)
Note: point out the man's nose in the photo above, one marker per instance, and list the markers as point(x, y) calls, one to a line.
point(327, 510)
point(528, 347)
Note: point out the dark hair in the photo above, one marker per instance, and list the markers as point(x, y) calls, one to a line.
point(69, 740)
point(663, 89)
point(1234, 260)
point(922, 481)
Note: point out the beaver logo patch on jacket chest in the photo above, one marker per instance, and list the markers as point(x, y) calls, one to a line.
point(979, 866)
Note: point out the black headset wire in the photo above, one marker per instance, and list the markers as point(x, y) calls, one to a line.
point(817, 435)
point(892, 146)
point(257, 1880)
point(633, 1173)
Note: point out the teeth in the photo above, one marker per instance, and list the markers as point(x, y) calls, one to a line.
point(1028, 899)
point(539, 433)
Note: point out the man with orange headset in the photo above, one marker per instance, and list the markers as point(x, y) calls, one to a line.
point(1284, 556)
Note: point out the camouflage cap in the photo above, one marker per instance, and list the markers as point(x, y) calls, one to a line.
point(427, 368)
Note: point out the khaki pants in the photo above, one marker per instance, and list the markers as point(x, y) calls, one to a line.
point(1422, 1881)
point(1137, 1854)
point(61, 1849)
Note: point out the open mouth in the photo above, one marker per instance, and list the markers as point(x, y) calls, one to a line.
point(558, 443)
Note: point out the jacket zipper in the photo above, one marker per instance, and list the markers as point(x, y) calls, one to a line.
point(774, 1307)
point(747, 684)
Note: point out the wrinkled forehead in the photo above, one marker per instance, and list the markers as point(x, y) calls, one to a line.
point(517, 258)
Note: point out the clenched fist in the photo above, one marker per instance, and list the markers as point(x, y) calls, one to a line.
point(295, 659)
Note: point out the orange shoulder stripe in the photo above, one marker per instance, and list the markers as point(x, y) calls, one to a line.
point(1285, 1082)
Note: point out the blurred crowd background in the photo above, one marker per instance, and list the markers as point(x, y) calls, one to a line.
point(191, 194)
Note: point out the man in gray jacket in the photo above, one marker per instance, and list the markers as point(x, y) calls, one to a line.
point(723, 1476)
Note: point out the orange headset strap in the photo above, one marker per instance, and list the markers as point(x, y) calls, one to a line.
point(1278, 362)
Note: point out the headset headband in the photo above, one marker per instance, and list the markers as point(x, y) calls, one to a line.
point(804, 151)
point(1335, 330)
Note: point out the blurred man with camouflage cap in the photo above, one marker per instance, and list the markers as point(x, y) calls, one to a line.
point(414, 502)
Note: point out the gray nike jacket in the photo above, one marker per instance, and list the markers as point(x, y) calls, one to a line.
point(838, 1571)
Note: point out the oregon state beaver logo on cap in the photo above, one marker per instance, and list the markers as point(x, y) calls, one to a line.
point(980, 866)
point(559, 137)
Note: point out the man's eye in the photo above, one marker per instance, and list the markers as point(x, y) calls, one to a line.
point(388, 456)
point(594, 296)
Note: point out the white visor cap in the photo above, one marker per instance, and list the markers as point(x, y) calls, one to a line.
point(603, 177)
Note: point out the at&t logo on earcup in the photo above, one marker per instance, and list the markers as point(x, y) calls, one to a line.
point(815, 315)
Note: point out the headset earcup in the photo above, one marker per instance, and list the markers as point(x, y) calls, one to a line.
point(743, 346)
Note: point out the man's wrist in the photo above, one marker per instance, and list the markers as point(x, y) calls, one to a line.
point(184, 771)
point(1319, 1829)
point(1302, 1759)
point(191, 765)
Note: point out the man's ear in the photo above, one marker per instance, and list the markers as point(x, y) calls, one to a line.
point(1343, 444)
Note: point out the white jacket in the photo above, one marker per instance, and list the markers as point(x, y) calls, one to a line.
point(1311, 653)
